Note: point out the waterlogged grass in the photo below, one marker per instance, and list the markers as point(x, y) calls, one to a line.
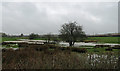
point(10, 46)
point(16, 38)
point(12, 38)
point(92, 49)
point(99, 39)
point(96, 50)
point(101, 50)
point(105, 39)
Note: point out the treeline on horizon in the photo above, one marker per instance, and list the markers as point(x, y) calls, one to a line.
point(57, 35)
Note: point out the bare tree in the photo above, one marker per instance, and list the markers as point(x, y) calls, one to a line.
point(71, 32)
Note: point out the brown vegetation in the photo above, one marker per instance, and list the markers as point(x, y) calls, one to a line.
point(88, 41)
point(54, 57)
point(101, 46)
point(29, 58)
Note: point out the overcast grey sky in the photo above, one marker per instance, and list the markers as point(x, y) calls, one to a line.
point(46, 17)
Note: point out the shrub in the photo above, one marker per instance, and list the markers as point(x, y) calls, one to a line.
point(108, 49)
point(99, 46)
point(87, 41)
point(22, 44)
point(7, 50)
point(96, 50)
point(116, 47)
point(80, 50)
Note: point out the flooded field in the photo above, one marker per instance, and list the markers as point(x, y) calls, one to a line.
point(77, 44)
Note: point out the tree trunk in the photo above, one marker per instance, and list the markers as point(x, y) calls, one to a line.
point(71, 43)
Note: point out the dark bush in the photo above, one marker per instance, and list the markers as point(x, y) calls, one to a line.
point(7, 50)
point(3, 43)
point(88, 41)
point(80, 50)
point(33, 36)
point(52, 46)
point(4, 50)
point(116, 47)
point(96, 50)
point(100, 46)
point(108, 49)
point(23, 44)
point(38, 47)
point(63, 48)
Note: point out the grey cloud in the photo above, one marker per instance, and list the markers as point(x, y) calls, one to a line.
point(48, 17)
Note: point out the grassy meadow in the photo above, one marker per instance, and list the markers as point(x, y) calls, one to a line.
point(105, 39)
point(12, 38)
point(99, 39)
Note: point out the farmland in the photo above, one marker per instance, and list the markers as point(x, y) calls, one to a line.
point(12, 38)
point(99, 39)
point(105, 39)
point(56, 57)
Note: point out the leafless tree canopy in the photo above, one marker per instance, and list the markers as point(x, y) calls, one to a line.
point(71, 32)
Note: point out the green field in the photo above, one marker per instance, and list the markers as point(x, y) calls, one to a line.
point(99, 39)
point(16, 38)
point(92, 49)
point(101, 50)
point(105, 39)
point(11, 38)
